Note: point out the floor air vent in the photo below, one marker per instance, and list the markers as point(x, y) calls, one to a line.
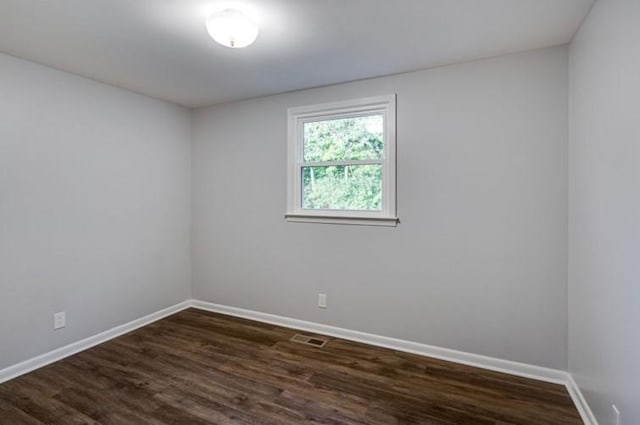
point(309, 340)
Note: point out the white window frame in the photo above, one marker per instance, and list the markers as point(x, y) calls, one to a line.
point(297, 117)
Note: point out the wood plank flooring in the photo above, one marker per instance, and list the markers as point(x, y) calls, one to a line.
point(200, 368)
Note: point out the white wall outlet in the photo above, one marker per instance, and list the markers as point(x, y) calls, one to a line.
point(616, 414)
point(322, 300)
point(59, 320)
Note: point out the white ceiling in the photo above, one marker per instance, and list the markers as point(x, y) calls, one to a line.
point(161, 47)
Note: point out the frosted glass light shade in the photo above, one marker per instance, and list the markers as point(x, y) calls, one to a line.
point(232, 28)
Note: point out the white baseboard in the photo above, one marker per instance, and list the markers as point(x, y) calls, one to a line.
point(27, 366)
point(505, 366)
point(491, 363)
point(581, 403)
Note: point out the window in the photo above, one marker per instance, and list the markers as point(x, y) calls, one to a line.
point(342, 161)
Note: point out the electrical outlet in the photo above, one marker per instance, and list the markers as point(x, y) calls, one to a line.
point(616, 414)
point(322, 300)
point(59, 320)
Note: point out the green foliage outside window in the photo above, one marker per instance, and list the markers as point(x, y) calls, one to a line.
point(343, 187)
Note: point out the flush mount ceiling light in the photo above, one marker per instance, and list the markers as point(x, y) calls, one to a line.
point(232, 28)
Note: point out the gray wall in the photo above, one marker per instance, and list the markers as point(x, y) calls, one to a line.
point(94, 207)
point(479, 262)
point(604, 238)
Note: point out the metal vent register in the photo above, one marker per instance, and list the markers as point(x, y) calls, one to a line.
point(309, 340)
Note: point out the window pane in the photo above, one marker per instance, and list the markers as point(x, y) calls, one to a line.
point(349, 187)
point(344, 139)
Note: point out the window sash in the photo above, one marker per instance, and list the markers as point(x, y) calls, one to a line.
point(341, 163)
point(352, 164)
point(331, 117)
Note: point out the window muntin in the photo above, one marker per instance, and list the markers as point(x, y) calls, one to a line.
point(342, 162)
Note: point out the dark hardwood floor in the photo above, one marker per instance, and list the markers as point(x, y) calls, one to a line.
point(203, 368)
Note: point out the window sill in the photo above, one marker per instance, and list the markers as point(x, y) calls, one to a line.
point(361, 221)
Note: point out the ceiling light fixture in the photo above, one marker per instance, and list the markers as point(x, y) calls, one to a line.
point(232, 28)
